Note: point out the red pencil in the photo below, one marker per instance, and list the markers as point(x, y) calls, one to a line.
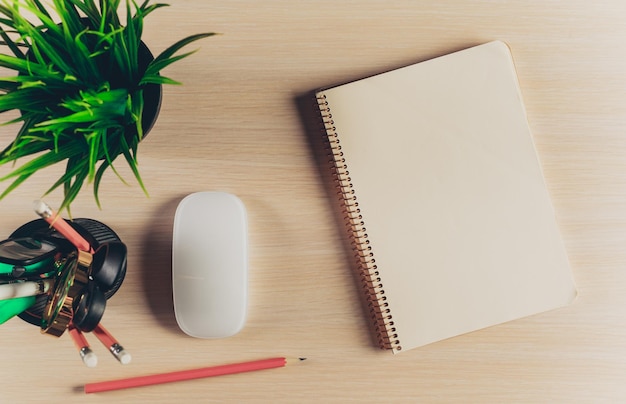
point(63, 227)
point(188, 374)
point(111, 343)
point(89, 358)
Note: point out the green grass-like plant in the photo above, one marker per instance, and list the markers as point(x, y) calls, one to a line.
point(79, 87)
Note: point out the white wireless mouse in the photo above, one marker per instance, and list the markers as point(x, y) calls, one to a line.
point(210, 264)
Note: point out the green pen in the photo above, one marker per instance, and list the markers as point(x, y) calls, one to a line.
point(12, 307)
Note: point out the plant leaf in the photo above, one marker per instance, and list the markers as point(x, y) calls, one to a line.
point(132, 161)
point(45, 160)
point(89, 8)
point(167, 53)
point(70, 189)
point(157, 66)
point(158, 79)
point(14, 185)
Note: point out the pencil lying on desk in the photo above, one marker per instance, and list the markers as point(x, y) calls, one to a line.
point(189, 374)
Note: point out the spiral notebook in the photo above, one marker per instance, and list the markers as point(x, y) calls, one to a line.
point(451, 224)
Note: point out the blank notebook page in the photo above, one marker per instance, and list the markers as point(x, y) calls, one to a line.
point(452, 195)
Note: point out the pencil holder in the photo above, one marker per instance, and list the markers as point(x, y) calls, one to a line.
point(56, 285)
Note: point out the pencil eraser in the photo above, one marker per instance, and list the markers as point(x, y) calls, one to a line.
point(89, 358)
point(124, 357)
point(210, 264)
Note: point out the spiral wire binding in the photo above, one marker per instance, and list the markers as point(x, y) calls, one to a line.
point(375, 298)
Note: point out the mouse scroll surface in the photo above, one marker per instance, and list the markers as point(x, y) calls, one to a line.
point(210, 265)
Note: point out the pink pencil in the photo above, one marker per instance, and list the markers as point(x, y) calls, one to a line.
point(111, 343)
point(63, 227)
point(89, 358)
point(188, 374)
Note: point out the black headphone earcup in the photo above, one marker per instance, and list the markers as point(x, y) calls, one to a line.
point(89, 308)
point(109, 266)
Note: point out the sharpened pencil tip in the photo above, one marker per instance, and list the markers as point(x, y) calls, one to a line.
point(302, 359)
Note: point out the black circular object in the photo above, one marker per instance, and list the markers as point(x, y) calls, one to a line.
point(89, 308)
point(107, 261)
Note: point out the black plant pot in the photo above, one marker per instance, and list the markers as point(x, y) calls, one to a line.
point(152, 93)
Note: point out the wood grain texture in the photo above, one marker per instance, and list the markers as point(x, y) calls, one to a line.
point(234, 126)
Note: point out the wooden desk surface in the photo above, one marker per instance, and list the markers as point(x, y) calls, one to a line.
point(234, 126)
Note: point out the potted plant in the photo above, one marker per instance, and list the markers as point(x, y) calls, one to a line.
point(87, 88)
